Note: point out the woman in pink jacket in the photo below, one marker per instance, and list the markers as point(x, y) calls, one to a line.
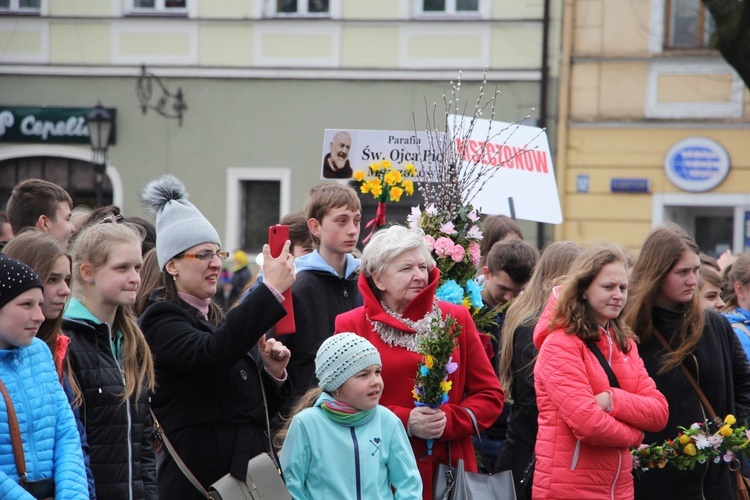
point(587, 423)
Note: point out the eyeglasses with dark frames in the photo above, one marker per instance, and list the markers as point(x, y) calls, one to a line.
point(206, 256)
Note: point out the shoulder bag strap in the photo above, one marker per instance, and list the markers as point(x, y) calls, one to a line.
point(479, 436)
point(271, 448)
point(607, 369)
point(182, 466)
point(690, 378)
point(15, 435)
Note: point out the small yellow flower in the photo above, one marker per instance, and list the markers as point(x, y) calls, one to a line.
point(466, 302)
point(359, 175)
point(684, 439)
point(446, 386)
point(408, 187)
point(385, 164)
point(429, 361)
point(375, 181)
point(730, 420)
point(415, 394)
point(396, 193)
point(375, 166)
point(376, 190)
point(689, 449)
point(410, 169)
point(392, 178)
point(726, 431)
point(365, 187)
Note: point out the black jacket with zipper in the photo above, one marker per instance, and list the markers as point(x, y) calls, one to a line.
point(120, 434)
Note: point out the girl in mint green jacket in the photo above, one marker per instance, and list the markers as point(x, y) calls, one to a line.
point(341, 443)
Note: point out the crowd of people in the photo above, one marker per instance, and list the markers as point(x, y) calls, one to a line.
point(112, 327)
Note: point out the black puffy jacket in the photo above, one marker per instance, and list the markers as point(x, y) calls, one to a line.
point(120, 435)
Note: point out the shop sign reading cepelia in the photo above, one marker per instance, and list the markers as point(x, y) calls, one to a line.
point(696, 164)
point(48, 125)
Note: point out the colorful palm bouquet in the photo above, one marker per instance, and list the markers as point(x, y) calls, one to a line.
point(431, 384)
point(385, 183)
point(698, 444)
point(454, 242)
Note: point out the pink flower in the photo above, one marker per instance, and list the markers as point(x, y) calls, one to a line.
point(430, 242)
point(443, 246)
point(448, 228)
point(473, 217)
point(431, 210)
point(474, 254)
point(474, 233)
point(457, 253)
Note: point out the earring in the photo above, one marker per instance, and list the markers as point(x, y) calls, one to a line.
point(91, 280)
point(174, 277)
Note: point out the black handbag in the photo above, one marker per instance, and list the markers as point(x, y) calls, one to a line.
point(43, 489)
point(454, 483)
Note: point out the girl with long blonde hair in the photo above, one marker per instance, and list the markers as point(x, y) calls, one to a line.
point(111, 361)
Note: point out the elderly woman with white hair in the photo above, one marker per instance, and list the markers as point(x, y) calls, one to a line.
point(398, 284)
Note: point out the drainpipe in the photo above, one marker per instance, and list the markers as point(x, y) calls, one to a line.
point(564, 107)
point(544, 88)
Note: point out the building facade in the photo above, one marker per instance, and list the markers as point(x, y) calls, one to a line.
point(259, 80)
point(653, 126)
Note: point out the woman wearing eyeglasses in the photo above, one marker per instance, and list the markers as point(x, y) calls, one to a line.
point(208, 398)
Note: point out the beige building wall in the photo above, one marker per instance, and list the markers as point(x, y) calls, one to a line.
point(624, 103)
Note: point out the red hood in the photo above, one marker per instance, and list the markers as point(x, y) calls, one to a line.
point(62, 351)
point(416, 310)
point(542, 326)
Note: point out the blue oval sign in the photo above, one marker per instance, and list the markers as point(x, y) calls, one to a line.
point(696, 164)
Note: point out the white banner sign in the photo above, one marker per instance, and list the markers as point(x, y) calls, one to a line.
point(524, 172)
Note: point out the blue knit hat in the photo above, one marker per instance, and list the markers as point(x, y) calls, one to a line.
point(341, 357)
point(179, 225)
point(15, 278)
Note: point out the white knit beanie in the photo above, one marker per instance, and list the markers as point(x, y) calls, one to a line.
point(179, 225)
point(341, 357)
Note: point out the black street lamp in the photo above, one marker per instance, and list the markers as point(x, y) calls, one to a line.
point(100, 123)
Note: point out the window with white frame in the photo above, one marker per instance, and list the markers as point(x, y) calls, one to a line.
point(689, 25)
point(451, 7)
point(311, 8)
point(20, 6)
point(158, 6)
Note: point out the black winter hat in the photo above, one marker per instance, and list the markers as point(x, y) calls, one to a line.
point(15, 278)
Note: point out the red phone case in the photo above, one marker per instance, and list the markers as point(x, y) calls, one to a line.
point(277, 236)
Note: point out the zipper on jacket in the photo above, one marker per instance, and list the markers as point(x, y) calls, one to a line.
point(111, 337)
point(617, 475)
point(30, 471)
point(609, 340)
point(575, 456)
point(346, 294)
point(356, 462)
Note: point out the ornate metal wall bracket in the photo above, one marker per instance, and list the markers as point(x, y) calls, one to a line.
point(145, 91)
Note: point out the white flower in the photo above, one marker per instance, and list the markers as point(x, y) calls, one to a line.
point(701, 441)
point(473, 217)
point(413, 217)
point(431, 210)
point(695, 426)
point(474, 233)
point(448, 228)
point(715, 440)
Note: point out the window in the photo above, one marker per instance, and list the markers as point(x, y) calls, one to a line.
point(450, 6)
point(20, 6)
point(261, 202)
point(301, 8)
point(159, 6)
point(689, 25)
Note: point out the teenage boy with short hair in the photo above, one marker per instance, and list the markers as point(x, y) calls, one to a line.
point(43, 205)
point(326, 283)
point(507, 270)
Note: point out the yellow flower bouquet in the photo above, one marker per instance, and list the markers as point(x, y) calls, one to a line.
point(385, 183)
point(701, 442)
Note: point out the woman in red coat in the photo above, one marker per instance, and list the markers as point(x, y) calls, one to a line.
point(397, 284)
point(585, 424)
